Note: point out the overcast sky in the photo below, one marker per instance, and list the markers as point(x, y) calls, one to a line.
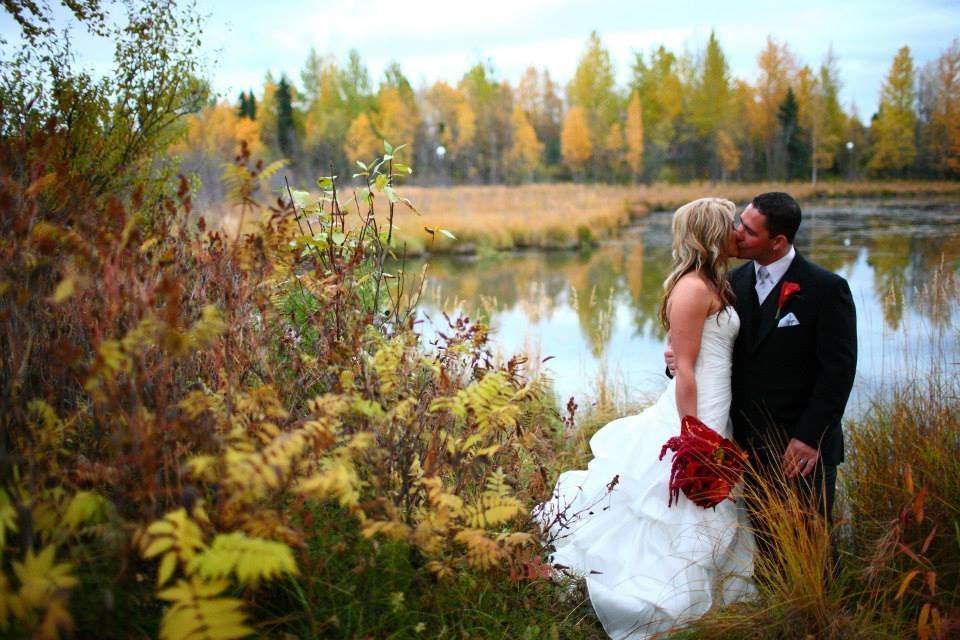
point(440, 40)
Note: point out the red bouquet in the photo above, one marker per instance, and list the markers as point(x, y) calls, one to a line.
point(706, 466)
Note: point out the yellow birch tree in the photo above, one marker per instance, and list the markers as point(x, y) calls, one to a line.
point(217, 131)
point(525, 150)
point(613, 150)
point(945, 118)
point(893, 132)
point(575, 145)
point(362, 142)
point(396, 121)
point(634, 135)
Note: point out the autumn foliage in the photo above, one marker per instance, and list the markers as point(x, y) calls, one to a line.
point(187, 403)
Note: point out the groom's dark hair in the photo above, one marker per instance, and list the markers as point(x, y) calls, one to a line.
point(782, 213)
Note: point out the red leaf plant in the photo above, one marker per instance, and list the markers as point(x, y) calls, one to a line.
point(706, 466)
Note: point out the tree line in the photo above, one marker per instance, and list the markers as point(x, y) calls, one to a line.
point(681, 117)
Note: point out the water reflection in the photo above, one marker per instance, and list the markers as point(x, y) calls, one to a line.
point(598, 310)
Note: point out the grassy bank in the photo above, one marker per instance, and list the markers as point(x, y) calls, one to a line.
point(568, 216)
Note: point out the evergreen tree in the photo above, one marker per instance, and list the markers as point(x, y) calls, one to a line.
point(286, 131)
point(248, 105)
point(792, 137)
point(242, 108)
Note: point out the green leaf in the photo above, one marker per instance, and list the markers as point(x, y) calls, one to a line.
point(387, 147)
point(368, 408)
point(391, 194)
point(381, 182)
point(85, 506)
point(326, 182)
point(362, 165)
point(448, 234)
point(300, 198)
point(338, 237)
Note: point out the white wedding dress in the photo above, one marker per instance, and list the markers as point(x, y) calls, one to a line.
point(648, 567)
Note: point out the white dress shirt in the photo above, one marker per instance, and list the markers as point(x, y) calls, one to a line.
point(774, 271)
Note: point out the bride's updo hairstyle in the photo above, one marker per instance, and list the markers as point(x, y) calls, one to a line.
point(700, 232)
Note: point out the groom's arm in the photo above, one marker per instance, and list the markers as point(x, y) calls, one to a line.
point(836, 353)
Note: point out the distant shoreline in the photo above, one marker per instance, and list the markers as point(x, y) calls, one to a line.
point(489, 219)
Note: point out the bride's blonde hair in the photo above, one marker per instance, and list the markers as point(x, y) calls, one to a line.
point(700, 231)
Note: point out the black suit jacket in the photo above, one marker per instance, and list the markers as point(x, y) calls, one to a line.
point(793, 381)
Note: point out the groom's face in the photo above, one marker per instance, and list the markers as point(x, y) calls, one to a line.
point(753, 237)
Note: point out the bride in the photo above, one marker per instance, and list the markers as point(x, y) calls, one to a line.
point(649, 567)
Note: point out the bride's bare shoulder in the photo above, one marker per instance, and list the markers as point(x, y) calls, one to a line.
point(692, 294)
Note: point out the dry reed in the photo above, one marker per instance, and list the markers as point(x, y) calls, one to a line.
point(568, 216)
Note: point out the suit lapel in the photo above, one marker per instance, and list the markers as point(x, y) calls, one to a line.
point(768, 310)
point(744, 289)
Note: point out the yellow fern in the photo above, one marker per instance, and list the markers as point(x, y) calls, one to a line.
point(492, 403)
point(390, 529)
point(48, 428)
point(495, 505)
point(176, 537)
point(248, 559)
point(196, 613)
point(482, 552)
point(8, 517)
point(41, 577)
point(84, 507)
point(11, 606)
point(492, 510)
point(207, 329)
point(338, 479)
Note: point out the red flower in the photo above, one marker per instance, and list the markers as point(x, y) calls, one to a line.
point(706, 466)
point(786, 292)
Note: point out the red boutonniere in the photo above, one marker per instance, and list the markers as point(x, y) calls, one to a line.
point(706, 466)
point(786, 292)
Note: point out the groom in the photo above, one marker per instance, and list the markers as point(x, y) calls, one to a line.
point(795, 357)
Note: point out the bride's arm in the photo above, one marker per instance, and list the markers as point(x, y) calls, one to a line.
point(689, 306)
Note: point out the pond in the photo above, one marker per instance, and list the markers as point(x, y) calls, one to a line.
point(594, 314)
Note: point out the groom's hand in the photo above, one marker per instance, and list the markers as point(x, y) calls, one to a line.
point(799, 459)
point(670, 359)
